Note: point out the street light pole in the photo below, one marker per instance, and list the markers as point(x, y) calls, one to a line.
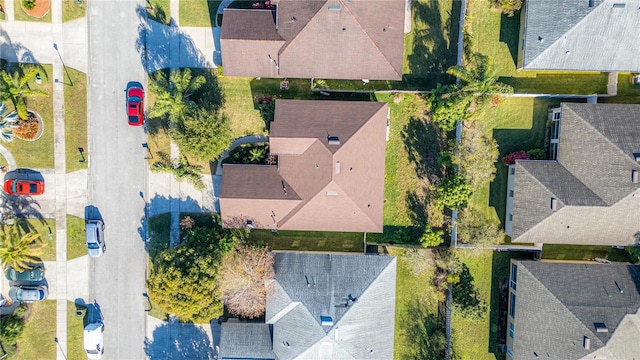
point(60, 347)
point(55, 46)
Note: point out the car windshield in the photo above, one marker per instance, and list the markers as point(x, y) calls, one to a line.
point(93, 246)
point(14, 187)
point(92, 351)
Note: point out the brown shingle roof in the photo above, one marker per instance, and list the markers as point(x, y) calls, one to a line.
point(340, 187)
point(354, 39)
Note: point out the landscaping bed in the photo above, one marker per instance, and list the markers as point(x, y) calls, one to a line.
point(41, 11)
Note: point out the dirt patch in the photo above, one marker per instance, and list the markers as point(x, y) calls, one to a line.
point(40, 10)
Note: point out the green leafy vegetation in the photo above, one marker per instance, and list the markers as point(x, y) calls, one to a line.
point(452, 193)
point(476, 156)
point(33, 154)
point(180, 168)
point(204, 135)
point(19, 250)
point(257, 153)
point(508, 7)
point(20, 15)
point(183, 280)
point(159, 11)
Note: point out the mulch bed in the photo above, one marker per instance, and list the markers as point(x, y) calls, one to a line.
point(40, 10)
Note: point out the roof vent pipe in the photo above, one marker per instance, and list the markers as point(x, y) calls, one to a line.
point(586, 343)
point(554, 205)
point(634, 176)
point(592, 3)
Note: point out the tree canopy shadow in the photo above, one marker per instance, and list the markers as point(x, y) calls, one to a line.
point(15, 52)
point(157, 42)
point(176, 340)
point(434, 48)
point(426, 330)
point(421, 143)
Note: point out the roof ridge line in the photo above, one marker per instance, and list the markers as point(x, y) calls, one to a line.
point(369, 38)
point(280, 314)
point(286, 44)
point(597, 131)
point(593, 336)
point(567, 32)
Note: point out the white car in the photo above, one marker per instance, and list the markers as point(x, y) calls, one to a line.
point(95, 238)
point(93, 340)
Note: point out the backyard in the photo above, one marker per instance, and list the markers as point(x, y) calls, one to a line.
point(496, 35)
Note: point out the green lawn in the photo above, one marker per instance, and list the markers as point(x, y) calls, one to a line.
point(71, 10)
point(584, 252)
point(496, 35)
point(245, 118)
point(20, 15)
point(159, 228)
point(75, 121)
point(309, 240)
point(37, 339)
point(75, 333)
point(198, 12)
point(37, 154)
point(416, 305)
point(76, 246)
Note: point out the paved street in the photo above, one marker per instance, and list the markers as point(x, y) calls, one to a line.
point(118, 176)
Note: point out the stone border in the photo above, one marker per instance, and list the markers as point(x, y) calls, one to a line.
point(40, 131)
point(29, 12)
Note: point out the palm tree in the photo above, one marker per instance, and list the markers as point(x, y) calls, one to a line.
point(18, 252)
point(181, 169)
point(7, 124)
point(480, 77)
point(16, 88)
point(173, 94)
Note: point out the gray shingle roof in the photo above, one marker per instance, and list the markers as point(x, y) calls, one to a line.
point(311, 285)
point(245, 341)
point(557, 304)
point(591, 180)
point(571, 35)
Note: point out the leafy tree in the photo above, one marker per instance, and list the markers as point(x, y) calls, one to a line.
point(508, 7)
point(29, 4)
point(204, 136)
point(19, 251)
point(184, 280)
point(431, 237)
point(173, 94)
point(476, 229)
point(16, 88)
point(476, 157)
point(12, 325)
point(243, 281)
point(447, 105)
point(452, 193)
point(180, 168)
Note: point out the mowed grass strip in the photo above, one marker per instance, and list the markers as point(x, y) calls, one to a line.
point(72, 10)
point(75, 121)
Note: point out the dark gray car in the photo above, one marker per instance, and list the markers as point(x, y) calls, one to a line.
point(34, 274)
